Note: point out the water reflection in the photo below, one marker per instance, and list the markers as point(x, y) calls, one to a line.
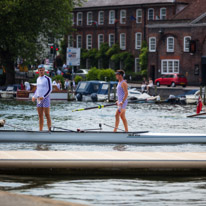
point(118, 191)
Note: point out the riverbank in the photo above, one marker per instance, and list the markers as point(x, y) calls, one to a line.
point(11, 199)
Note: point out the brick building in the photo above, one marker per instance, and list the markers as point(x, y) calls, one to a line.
point(162, 23)
point(179, 45)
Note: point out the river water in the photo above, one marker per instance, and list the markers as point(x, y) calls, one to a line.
point(110, 191)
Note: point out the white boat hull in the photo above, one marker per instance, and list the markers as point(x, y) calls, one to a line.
point(99, 137)
point(55, 96)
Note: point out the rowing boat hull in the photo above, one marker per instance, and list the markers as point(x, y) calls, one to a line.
point(99, 137)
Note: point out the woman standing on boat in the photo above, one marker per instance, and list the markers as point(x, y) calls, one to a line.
point(42, 95)
point(122, 93)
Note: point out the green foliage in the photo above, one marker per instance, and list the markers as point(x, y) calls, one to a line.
point(25, 25)
point(113, 50)
point(77, 79)
point(93, 74)
point(101, 74)
point(106, 74)
point(57, 78)
point(143, 58)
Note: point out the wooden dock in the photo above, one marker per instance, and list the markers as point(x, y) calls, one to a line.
point(102, 163)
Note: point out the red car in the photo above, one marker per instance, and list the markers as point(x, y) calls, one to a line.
point(172, 80)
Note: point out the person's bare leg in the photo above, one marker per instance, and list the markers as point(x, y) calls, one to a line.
point(124, 120)
point(47, 115)
point(41, 118)
point(116, 121)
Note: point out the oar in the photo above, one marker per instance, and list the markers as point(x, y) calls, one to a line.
point(96, 107)
point(196, 115)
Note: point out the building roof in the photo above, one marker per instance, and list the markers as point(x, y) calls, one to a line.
point(193, 10)
point(108, 3)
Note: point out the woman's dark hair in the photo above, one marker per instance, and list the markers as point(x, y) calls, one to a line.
point(121, 72)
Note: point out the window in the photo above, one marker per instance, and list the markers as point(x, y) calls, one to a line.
point(111, 17)
point(170, 44)
point(70, 41)
point(138, 40)
point(150, 14)
point(123, 16)
point(100, 40)
point(122, 41)
point(163, 13)
point(79, 41)
point(101, 18)
point(137, 65)
point(89, 41)
point(152, 44)
point(79, 18)
point(139, 15)
point(111, 40)
point(72, 18)
point(187, 43)
point(89, 18)
point(170, 66)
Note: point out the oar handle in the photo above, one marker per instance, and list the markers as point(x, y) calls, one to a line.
point(97, 107)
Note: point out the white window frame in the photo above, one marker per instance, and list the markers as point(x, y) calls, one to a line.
point(89, 21)
point(123, 16)
point(89, 44)
point(123, 45)
point(186, 45)
point(79, 43)
point(111, 18)
point(70, 41)
point(138, 42)
point(72, 18)
point(100, 21)
point(99, 40)
point(138, 16)
point(79, 19)
point(110, 42)
point(152, 45)
point(168, 44)
point(163, 16)
point(137, 65)
point(172, 62)
point(150, 9)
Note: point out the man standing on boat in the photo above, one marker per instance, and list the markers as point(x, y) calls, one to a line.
point(122, 93)
point(42, 95)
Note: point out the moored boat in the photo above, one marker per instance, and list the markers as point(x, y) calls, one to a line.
point(99, 137)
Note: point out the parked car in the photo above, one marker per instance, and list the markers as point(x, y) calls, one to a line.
point(81, 73)
point(172, 80)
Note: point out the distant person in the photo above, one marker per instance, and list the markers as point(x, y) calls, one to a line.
point(27, 86)
point(66, 84)
point(22, 85)
point(150, 85)
point(59, 85)
point(144, 85)
point(54, 82)
point(122, 93)
point(64, 66)
point(42, 95)
point(59, 72)
point(74, 84)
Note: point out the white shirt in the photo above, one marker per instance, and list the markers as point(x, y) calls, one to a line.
point(44, 87)
point(27, 86)
point(59, 72)
point(54, 82)
point(58, 85)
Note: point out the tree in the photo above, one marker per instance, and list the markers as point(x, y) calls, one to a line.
point(143, 58)
point(25, 24)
